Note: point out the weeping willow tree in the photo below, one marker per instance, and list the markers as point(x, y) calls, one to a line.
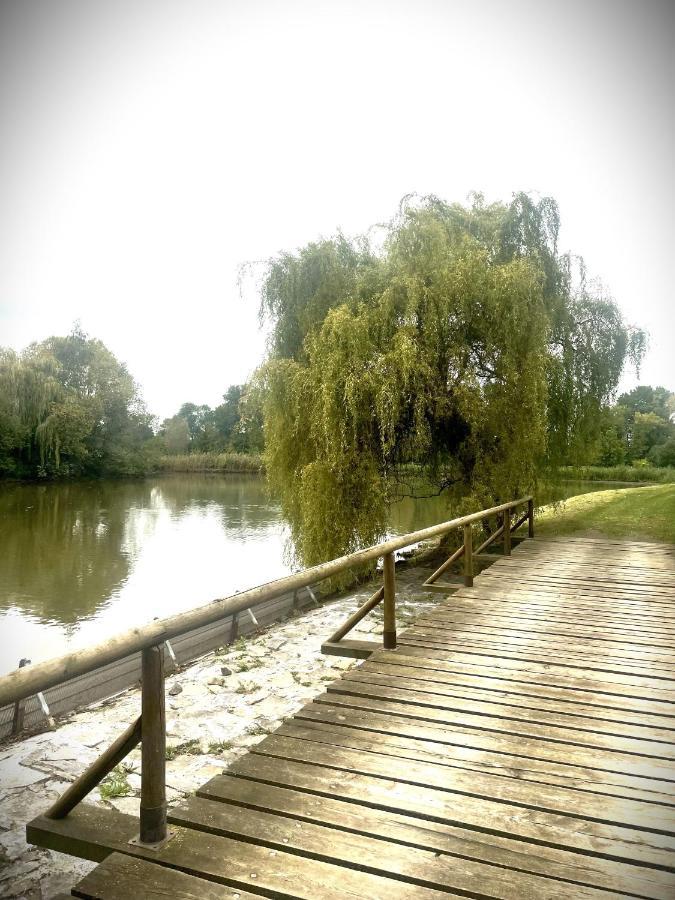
point(461, 353)
point(68, 406)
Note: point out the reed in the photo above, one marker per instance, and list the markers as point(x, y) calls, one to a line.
point(212, 462)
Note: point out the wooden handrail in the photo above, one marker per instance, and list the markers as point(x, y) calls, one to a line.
point(25, 682)
point(461, 550)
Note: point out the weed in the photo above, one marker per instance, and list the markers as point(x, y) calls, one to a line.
point(257, 729)
point(246, 687)
point(187, 748)
point(115, 785)
point(247, 664)
point(219, 746)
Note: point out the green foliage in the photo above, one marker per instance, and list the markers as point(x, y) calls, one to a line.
point(211, 462)
point(638, 427)
point(115, 785)
point(68, 406)
point(235, 425)
point(463, 347)
point(664, 454)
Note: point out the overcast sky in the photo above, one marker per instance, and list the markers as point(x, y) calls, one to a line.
point(149, 147)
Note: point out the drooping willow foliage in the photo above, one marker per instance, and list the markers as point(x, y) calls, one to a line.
point(462, 350)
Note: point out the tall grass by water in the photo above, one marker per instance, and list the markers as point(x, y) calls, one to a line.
point(664, 475)
point(212, 462)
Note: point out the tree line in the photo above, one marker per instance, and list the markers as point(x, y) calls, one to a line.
point(236, 424)
point(639, 428)
point(69, 408)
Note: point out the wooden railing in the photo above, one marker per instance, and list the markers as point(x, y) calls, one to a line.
point(149, 729)
point(336, 645)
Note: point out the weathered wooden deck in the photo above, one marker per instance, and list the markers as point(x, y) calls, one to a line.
point(519, 743)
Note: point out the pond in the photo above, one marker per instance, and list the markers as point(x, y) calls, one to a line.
point(84, 560)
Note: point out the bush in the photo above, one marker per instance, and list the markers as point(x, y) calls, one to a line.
point(663, 454)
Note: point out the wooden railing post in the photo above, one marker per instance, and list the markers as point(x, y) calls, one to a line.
point(153, 748)
point(530, 518)
point(507, 532)
point(468, 556)
point(389, 632)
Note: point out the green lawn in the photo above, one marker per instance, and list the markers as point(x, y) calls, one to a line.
point(646, 513)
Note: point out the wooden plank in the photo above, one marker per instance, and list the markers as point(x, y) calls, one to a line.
point(618, 589)
point(578, 577)
point(604, 706)
point(602, 645)
point(489, 737)
point(350, 648)
point(475, 698)
point(596, 569)
point(121, 877)
point(598, 607)
point(367, 853)
point(602, 655)
point(619, 558)
point(375, 740)
point(649, 677)
point(497, 618)
point(94, 833)
point(477, 785)
point(518, 670)
point(561, 831)
point(451, 840)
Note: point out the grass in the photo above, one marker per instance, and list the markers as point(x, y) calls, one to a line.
point(187, 748)
point(246, 687)
point(211, 462)
point(247, 664)
point(664, 475)
point(216, 747)
point(115, 785)
point(645, 513)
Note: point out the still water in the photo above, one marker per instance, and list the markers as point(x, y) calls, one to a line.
point(79, 562)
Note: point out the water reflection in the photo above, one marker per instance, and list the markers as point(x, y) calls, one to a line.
point(62, 555)
point(80, 561)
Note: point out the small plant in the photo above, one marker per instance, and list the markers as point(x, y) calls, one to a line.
point(115, 785)
point(246, 687)
point(239, 645)
point(219, 746)
point(257, 729)
point(187, 748)
point(247, 664)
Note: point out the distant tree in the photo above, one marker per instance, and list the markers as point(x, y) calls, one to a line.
point(646, 399)
point(227, 416)
point(176, 435)
point(199, 421)
point(612, 449)
point(70, 407)
point(663, 454)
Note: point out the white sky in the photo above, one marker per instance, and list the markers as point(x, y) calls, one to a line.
point(150, 147)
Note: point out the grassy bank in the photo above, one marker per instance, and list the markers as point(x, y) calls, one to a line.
point(665, 475)
point(645, 513)
point(211, 462)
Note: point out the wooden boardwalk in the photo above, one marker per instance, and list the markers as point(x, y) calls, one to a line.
point(519, 743)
